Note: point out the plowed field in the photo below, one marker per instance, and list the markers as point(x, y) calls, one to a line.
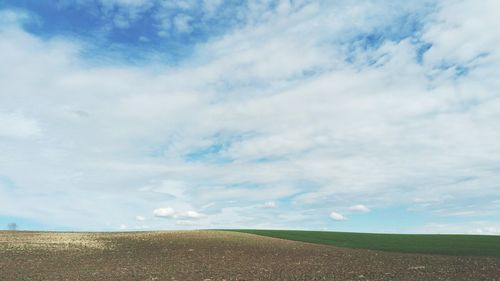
point(216, 255)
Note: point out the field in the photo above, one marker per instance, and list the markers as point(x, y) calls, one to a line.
point(217, 255)
point(458, 245)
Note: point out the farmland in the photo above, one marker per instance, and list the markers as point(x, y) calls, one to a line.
point(217, 255)
point(459, 245)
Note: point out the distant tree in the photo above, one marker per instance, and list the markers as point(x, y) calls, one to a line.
point(12, 226)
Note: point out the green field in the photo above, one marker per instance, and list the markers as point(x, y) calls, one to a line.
point(457, 245)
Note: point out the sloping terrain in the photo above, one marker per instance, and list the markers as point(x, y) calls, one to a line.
point(216, 255)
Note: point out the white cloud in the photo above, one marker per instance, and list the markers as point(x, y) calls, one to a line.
point(473, 227)
point(321, 123)
point(140, 218)
point(18, 126)
point(166, 212)
point(455, 32)
point(488, 230)
point(181, 23)
point(359, 208)
point(270, 205)
point(193, 215)
point(337, 216)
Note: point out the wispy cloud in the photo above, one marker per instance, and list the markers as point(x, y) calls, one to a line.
point(303, 105)
point(18, 126)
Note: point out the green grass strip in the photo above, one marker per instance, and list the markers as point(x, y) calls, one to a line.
point(456, 245)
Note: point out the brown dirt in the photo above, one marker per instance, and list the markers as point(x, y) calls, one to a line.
point(214, 255)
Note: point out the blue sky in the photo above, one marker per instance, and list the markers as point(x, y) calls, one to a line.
point(372, 116)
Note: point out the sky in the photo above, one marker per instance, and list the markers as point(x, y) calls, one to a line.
point(366, 116)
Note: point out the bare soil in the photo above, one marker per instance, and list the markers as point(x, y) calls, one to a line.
point(216, 255)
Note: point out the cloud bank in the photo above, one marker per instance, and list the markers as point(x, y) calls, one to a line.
point(267, 121)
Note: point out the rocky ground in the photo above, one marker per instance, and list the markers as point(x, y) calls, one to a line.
point(216, 255)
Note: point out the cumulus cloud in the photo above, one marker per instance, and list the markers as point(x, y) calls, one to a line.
point(359, 208)
point(164, 212)
point(337, 216)
point(140, 218)
point(168, 212)
point(270, 205)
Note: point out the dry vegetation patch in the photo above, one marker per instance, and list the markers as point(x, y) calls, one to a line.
point(25, 241)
